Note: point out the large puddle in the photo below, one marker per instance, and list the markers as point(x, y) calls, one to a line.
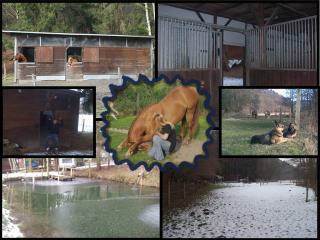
point(83, 208)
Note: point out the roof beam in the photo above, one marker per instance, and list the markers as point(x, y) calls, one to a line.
point(227, 23)
point(257, 11)
point(274, 13)
point(228, 8)
point(199, 15)
point(293, 9)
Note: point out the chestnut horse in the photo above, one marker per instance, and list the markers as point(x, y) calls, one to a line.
point(180, 104)
point(19, 57)
point(72, 60)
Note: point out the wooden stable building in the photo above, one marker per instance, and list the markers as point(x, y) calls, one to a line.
point(100, 56)
point(279, 43)
point(26, 112)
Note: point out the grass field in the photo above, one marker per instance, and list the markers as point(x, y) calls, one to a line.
point(125, 122)
point(236, 135)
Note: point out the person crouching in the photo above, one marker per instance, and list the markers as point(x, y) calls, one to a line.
point(164, 141)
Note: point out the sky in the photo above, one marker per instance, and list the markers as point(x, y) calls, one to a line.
point(281, 92)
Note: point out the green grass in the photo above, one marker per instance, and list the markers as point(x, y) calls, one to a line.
point(8, 81)
point(116, 139)
point(125, 122)
point(236, 135)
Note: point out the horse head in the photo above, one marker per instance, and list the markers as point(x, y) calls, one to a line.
point(143, 129)
point(72, 60)
point(19, 57)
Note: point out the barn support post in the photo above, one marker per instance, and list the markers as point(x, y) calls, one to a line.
point(169, 190)
point(151, 58)
point(15, 50)
point(47, 167)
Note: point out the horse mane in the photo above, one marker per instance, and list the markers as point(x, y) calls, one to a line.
point(141, 113)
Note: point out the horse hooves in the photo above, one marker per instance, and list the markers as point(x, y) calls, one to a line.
point(128, 154)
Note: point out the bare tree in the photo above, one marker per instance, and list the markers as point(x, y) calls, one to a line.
point(147, 17)
point(298, 109)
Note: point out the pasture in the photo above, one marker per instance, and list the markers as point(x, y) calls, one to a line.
point(237, 133)
point(117, 132)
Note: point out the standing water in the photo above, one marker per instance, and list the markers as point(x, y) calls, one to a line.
point(83, 208)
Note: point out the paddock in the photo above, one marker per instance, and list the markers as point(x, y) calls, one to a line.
point(99, 56)
point(276, 43)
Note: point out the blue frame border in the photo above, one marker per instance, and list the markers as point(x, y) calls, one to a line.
point(144, 79)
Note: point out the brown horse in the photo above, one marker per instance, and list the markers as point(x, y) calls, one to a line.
point(267, 114)
point(72, 60)
point(19, 57)
point(181, 104)
point(254, 114)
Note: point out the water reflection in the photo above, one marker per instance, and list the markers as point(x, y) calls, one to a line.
point(84, 209)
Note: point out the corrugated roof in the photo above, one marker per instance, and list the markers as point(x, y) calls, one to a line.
point(74, 34)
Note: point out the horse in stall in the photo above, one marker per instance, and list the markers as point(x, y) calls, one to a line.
point(180, 104)
point(20, 58)
point(72, 60)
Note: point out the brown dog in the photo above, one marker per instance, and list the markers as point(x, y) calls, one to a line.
point(275, 136)
point(291, 131)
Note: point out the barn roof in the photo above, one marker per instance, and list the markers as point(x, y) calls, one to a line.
point(75, 34)
point(247, 12)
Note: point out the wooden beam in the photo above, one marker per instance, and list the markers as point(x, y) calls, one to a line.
point(257, 12)
point(229, 7)
point(293, 9)
point(274, 13)
point(227, 23)
point(199, 15)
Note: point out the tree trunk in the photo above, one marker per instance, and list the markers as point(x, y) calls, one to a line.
point(30, 164)
point(298, 109)
point(98, 163)
point(4, 71)
point(147, 17)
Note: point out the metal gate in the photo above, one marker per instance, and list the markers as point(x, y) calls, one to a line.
point(288, 45)
point(186, 44)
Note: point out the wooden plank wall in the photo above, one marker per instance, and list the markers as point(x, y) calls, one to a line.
point(55, 68)
point(25, 71)
point(21, 115)
point(211, 79)
point(130, 60)
point(266, 77)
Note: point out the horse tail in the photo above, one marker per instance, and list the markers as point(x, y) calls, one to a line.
point(195, 120)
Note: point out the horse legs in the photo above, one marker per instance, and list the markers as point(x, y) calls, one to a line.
point(123, 143)
point(183, 124)
point(144, 146)
point(189, 117)
point(131, 149)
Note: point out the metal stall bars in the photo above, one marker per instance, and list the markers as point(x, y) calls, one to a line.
point(187, 44)
point(290, 45)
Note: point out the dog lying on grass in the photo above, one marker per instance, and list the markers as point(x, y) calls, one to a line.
point(290, 132)
point(275, 136)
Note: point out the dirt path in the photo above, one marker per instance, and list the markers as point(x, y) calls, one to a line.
point(187, 152)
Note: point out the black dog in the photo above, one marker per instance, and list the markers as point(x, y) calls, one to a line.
point(290, 132)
